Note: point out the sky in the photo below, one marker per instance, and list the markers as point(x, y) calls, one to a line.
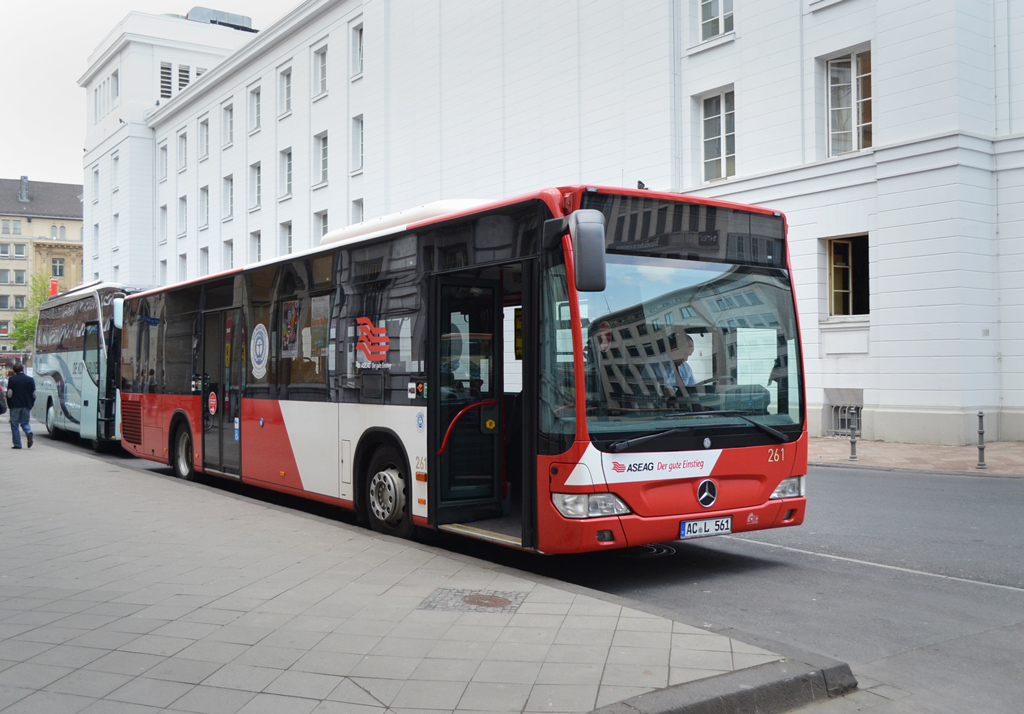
point(45, 49)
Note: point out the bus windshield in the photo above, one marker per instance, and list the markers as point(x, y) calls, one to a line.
point(681, 346)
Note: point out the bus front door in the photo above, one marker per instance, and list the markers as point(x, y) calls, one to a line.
point(91, 379)
point(465, 391)
point(221, 391)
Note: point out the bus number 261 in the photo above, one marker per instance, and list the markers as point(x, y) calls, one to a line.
point(776, 454)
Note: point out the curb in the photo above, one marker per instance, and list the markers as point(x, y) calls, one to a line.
point(767, 689)
point(979, 473)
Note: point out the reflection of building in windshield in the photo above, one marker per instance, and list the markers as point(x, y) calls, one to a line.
point(635, 350)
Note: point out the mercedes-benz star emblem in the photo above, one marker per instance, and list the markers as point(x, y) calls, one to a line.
point(707, 492)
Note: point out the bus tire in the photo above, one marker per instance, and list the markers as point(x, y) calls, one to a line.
point(51, 422)
point(387, 499)
point(181, 457)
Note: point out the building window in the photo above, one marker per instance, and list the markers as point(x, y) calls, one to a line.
point(163, 224)
point(357, 143)
point(229, 196)
point(5, 302)
point(57, 267)
point(320, 71)
point(163, 272)
point(321, 158)
point(719, 119)
point(204, 261)
point(115, 233)
point(166, 85)
point(5, 277)
point(715, 18)
point(204, 138)
point(254, 109)
point(849, 103)
point(162, 163)
point(357, 50)
point(286, 238)
point(63, 232)
point(286, 173)
point(16, 226)
point(228, 255)
point(19, 250)
point(95, 184)
point(357, 211)
point(114, 161)
point(182, 267)
point(53, 231)
point(255, 185)
point(19, 277)
point(182, 151)
point(5, 226)
point(848, 276)
point(19, 302)
point(184, 76)
point(204, 206)
point(5, 328)
point(256, 246)
point(285, 93)
point(320, 221)
point(228, 130)
point(182, 215)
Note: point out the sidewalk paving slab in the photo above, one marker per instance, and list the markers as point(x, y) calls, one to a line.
point(129, 591)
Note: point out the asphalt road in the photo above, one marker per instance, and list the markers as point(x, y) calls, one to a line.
point(914, 579)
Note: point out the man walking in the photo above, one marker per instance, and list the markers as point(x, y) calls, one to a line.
point(21, 396)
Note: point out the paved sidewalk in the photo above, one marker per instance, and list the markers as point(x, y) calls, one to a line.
point(123, 591)
point(1002, 458)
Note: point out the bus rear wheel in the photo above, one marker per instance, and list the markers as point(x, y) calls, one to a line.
point(387, 494)
point(181, 459)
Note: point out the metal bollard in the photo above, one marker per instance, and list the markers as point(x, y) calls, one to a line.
point(981, 441)
point(853, 435)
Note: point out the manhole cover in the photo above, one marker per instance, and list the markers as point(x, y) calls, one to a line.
point(494, 601)
point(486, 600)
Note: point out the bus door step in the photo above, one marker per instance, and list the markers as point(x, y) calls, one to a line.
point(480, 534)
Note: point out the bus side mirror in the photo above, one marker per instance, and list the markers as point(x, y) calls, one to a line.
point(586, 228)
point(119, 313)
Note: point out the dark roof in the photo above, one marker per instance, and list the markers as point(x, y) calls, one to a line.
point(45, 200)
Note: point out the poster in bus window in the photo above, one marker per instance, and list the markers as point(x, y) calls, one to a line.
point(290, 329)
point(321, 314)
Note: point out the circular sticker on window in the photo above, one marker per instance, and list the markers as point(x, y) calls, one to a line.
point(259, 350)
point(213, 402)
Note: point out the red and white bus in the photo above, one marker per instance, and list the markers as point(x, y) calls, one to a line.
point(509, 371)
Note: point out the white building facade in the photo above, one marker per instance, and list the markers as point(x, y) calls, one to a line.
point(890, 133)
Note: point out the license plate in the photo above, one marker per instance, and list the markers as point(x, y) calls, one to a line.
point(705, 527)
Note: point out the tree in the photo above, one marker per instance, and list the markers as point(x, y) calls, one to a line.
point(23, 333)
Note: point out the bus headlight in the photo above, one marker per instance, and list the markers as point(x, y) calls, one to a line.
point(790, 488)
point(589, 505)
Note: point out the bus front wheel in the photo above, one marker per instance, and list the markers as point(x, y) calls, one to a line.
point(182, 457)
point(387, 494)
point(51, 422)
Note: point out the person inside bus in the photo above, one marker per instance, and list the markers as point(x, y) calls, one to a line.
point(679, 380)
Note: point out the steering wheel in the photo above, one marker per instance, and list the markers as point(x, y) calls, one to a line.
point(716, 380)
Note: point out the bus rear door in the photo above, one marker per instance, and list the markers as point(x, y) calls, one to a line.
point(221, 392)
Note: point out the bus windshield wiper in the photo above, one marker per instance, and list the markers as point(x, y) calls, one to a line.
point(742, 415)
point(619, 446)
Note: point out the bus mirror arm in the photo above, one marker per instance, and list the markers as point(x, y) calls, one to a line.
point(554, 229)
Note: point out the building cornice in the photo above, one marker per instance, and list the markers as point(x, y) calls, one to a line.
point(305, 14)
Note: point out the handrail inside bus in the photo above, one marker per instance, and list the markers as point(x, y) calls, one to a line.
point(484, 403)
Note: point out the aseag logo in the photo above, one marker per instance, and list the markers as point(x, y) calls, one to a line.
point(373, 341)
